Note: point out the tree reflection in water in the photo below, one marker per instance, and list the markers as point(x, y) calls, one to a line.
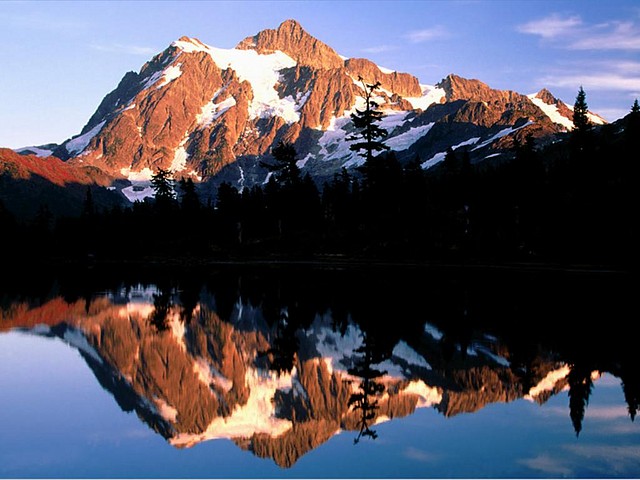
point(365, 401)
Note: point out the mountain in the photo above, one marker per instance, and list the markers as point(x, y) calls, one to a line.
point(29, 182)
point(212, 114)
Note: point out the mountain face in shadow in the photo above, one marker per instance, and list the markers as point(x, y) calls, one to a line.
point(279, 374)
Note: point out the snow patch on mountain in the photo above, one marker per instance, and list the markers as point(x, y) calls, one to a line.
point(429, 396)
point(77, 339)
point(405, 140)
point(180, 155)
point(433, 331)
point(79, 143)
point(440, 156)
point(548, 383)
point(552, 112)
point(165, 410)
point(430, 95)
point(257, 415)
point(37, 151)
point(502, 133)
point(261, 71)
point(403, 351)
point(212, 111)
point(170, 74)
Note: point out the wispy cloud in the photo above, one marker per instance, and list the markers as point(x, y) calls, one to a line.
point(425, 35)
point(621, 75)
point(552, 26)
point(571, 32)
point(380, 49)
point(555, 467)
point(419, 455)
point(616, 36)
point(125, 49)
point(593, 81)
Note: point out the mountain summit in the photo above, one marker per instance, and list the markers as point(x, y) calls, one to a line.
point(212, 113)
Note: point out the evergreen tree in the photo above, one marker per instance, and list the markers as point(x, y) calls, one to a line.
point(162, 184)
point(190, 202)
point(370, 136)
point(285, 169)
point(635, 108)
point(581, 121)
point(88, 207)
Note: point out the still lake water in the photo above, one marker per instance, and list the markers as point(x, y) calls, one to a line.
point(300, 372)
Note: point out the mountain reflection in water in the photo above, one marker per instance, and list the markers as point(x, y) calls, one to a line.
point(280, 360)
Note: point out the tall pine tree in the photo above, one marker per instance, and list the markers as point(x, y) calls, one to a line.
point(369, 137)
point(581, 123)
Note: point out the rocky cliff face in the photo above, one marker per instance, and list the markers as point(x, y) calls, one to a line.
point(212, 113)
point(291, 39)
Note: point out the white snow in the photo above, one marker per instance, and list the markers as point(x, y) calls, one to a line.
point(257, 415)
point(408, 138)
point(136, 193)
point(596, 119)
point(405, 352)
point(385, 70)
point(41, 329)
point(165, 410)
point(502, 133)
point(496, 358)
point(211, 111)
point(301, 163)
point(143, 175)
point(170, 74)
point(208, 375)
point(38, 152)
point(141, 184)
point(77, 144)
point(428, 395)
point(433, 331)
point(430, 95)
point(492, 155)
point(439, 157)
point(261, 71)
point(392, 119)
point(333, 142)
point(180, 155)
point(335, 348)
point(548, 382)
point(77, 339)
point(552, 112)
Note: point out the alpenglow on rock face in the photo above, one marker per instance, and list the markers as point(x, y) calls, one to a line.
point(207, 112)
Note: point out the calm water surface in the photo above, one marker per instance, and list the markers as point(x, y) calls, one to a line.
point(318, 373)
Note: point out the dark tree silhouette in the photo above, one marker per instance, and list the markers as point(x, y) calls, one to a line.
point(366, 399)
point(285, 169)
point(88, 207)
point(580, 385)
point(163, 189)
point(189, 200)
point(581, 121)
point(369, 137)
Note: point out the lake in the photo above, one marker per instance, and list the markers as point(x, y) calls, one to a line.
point(306, 372)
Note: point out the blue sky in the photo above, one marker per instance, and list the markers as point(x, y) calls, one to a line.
point(59, 59)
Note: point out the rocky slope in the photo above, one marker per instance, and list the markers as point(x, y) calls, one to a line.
point(27, 182)
point(213, 113)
